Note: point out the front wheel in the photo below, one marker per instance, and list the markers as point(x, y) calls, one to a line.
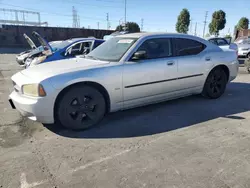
point(215, 84)
point(80, 107)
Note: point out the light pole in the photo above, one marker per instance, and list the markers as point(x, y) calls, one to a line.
point(125, 18)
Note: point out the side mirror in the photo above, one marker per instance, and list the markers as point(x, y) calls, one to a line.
point(139, 55)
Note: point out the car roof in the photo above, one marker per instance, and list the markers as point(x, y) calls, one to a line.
point(80, 39)
point(144, 34)
point(164, 34)
point(215, 38)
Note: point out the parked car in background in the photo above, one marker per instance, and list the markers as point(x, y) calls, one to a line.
point(66, 49)
point(21, 58)
point(224, 43)
point(244, 46)
point(124, 72)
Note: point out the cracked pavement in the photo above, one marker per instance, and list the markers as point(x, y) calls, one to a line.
point(190, 142)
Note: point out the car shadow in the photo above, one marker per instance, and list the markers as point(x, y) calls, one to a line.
point(166, 116)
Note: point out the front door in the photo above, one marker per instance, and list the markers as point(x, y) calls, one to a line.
point(151, 78)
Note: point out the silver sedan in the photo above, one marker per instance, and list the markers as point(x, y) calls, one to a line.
point(124, 72)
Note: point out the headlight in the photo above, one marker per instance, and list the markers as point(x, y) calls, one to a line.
point(35, 90)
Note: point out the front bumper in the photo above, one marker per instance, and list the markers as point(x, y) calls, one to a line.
point(36, 108)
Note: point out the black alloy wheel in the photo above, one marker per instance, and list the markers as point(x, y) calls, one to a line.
point(215, 84)
point(81, 107)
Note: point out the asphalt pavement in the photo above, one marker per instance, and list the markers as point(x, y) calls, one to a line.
point(190, 142)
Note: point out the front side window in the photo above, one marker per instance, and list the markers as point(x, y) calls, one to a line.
point(97, 43)
point(157, 48)
point(112, 50)
point(185, 47)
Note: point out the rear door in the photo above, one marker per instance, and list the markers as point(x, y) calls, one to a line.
point(191, 59)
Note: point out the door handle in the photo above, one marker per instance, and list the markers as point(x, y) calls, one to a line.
point(208, 58)
point(170, 63)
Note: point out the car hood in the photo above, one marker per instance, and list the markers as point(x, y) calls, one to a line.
point(53, 68)
point(42, 41)
point(241, 46)
point(30, 42)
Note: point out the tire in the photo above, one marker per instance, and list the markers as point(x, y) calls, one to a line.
point(248, 70)
point(215, 84)
point(248, 55)
point(80, 107)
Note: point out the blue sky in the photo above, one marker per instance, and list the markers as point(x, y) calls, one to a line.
point(158, 15)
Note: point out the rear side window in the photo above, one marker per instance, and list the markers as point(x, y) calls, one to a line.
point(157, 48)
point(213, 41)
point(222, 42)
point(185, 47)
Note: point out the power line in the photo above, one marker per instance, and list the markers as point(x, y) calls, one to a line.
point(57, 14)
point(205, 23)
point(86, 4)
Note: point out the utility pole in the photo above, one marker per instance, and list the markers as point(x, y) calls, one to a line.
point(142, 20)
point(125, 17)
point(191, 25)
point(195, 29)
point(107, 21)
point(205, 24)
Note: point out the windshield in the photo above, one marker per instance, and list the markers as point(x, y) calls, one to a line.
point(112, 50)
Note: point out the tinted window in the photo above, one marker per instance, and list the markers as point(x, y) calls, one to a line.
point(222, 42)
point(77, 46)
point(186, 47)
point(157, 48)
point(213, 41)
point(97, 43)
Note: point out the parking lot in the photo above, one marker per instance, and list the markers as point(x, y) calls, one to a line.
point(190, 142)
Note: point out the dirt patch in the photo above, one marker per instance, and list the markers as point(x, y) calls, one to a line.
point(15, 135)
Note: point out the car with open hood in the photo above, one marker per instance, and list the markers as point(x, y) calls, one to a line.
point(126, 71)
point(22, 57)
point(64, 50)
point(224, 43)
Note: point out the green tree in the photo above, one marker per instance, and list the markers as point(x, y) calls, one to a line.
point(183, 21)
point(218, 22)
point(228, 36)
point(207, 35)
point(130, 26)
point(243, 23)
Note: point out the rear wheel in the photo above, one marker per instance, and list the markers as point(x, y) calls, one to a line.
point(80, 107)
point(248, 55)
point(215, 84)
